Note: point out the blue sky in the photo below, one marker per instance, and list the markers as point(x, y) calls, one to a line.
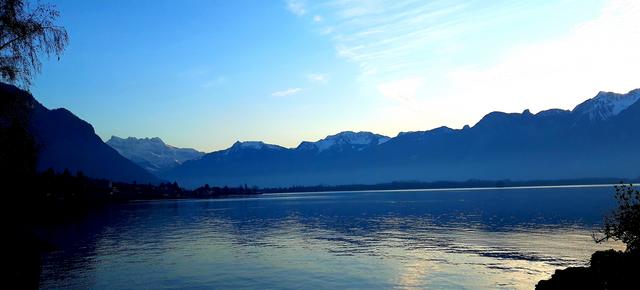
point(204, 74)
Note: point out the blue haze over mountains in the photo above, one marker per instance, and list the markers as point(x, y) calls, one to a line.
point(598, 138)
point(152, 153)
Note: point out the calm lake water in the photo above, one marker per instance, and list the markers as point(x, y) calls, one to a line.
point(437, 239)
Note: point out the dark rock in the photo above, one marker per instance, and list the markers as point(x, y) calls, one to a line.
point(608, 270)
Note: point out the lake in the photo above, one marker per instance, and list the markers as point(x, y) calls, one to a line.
point(438, 239)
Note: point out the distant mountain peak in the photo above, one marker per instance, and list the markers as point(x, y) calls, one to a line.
point(552, 112)
point(607, 104)
point(255, 145)
point(551, 144)
point(135, 139)
point(358, 139)
point(152, 153)
point(438, 130)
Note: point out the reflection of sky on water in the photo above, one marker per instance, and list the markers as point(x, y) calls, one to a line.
point(471, 239)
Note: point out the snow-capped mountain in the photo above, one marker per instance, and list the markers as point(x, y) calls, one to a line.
point(345, 140)
point(254, 145)
point(597, 139)
point(607, 104)
point(152, 153)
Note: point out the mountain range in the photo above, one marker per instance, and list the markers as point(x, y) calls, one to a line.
point(598, 138)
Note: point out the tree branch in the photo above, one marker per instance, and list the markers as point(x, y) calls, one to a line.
point(24, 35)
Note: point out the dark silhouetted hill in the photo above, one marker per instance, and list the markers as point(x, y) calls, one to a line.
point(64, 141)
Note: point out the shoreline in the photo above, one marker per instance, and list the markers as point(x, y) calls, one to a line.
point(448, 189)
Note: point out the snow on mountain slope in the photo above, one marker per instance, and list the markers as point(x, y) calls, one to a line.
point(356, 140)
point(152, 153)
point(254, 145)
point(606, 104)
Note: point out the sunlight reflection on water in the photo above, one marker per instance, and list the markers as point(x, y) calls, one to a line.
point(488, 239)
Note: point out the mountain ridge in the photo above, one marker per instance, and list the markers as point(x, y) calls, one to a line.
point(552, 143)
point(67, 142)
point(152, 154)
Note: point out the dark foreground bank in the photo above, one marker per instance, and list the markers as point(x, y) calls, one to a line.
point(607, 270)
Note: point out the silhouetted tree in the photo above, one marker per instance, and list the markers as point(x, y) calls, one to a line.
point(623, 224)
point(17, 152)
point(25, 33)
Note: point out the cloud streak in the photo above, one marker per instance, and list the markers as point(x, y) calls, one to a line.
point(296, 7)
point(375, 33)
point(598, 55)
point(404, 90)
point(287, 92)
point(318, 78)
point(433, 57)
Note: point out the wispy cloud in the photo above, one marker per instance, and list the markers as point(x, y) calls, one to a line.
point(376, 33)
point(597, 55)
point(287, 92)
point(318, 78)
point(296, 7)
point(428, 55)
point(326, 30)
point(601, 54)
point(403, 89)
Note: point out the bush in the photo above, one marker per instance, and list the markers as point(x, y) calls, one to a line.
point(623, 224)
